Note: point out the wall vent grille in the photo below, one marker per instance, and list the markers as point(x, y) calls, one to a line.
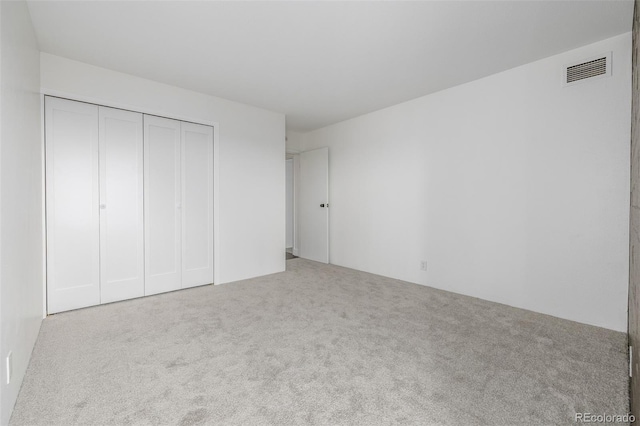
point(587, 70)
point(599, 66)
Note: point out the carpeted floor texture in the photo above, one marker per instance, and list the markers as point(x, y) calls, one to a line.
point(320, 345)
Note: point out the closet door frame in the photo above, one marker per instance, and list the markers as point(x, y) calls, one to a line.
point(48, 267)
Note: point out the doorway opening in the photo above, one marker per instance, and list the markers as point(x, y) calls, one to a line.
point(307, 206)
point(290, 246)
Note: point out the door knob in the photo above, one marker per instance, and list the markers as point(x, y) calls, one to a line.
point(321, 205)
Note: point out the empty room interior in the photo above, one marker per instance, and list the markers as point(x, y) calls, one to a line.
point(319, 212)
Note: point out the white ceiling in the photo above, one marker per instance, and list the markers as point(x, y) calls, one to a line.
point(320, 62)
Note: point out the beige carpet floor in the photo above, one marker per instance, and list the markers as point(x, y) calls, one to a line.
point(319, 345)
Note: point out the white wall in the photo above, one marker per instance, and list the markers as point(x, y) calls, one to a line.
point(294, 141)
point(250, 155)
point(513, 188)
point(21, 210)
point(289, 207)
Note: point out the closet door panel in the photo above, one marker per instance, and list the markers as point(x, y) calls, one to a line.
point(121, 205)
point(72, 202)
point(162, 195)
point(197, 205)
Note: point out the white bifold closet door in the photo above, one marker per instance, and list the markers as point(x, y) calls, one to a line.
point(162, 205)
point(72, 202)
point(121, 205)
point(178, 204)
point(129, 204)
point(197, 204)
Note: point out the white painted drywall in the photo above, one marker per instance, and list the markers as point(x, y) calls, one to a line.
point(21, 211)
point(294, 141)
point(249, 161)
point(513, 188)
point(289, 207)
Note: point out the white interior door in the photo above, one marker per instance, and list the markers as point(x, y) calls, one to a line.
point(72, 201)
point(197, 204)
point(121, 205)
point(313, 205)
point(162, 198)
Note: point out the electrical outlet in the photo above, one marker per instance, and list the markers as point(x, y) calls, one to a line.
point(9, 367)
point(423, 265)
